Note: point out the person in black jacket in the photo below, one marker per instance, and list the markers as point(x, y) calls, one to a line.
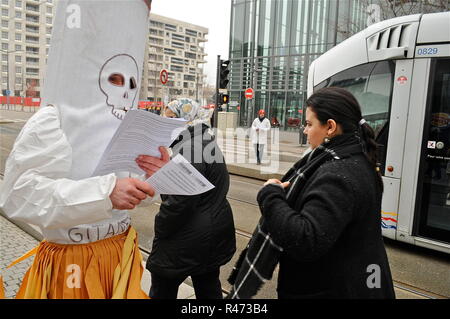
point(325, 212)
point(194, 235)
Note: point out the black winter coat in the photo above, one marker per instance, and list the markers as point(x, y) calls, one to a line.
point(195, 234)
point(331, 237)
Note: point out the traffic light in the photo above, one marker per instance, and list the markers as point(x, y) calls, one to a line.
point(224, 98)
point(224, 71)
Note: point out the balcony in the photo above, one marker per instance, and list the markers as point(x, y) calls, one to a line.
point(33, 8)
point(32, 40)
point(32, 52)
point(31, 29)
point(32, 73)
point(32, 19)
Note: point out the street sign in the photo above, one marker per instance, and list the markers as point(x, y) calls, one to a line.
point(8, 92)
point(249, 93)
point(164, 76)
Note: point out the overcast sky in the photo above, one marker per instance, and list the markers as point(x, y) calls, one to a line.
point(211, 14)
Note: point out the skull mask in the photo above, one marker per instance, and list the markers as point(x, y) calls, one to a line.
point(118, 81)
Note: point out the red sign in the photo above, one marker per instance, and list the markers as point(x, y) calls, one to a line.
point(249, 93)
point(402, 79)
point(164, 76)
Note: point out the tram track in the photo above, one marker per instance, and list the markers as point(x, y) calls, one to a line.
point(400, 286)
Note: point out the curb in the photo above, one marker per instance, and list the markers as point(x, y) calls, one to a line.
point(251, 172)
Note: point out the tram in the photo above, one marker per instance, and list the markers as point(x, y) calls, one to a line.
point(399, 70)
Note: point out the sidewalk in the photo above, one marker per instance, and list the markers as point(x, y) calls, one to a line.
point(280, 154)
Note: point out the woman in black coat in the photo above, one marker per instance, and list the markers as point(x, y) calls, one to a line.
point(194, 235)
point(325, 213)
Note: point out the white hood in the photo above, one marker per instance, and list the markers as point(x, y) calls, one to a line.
point(91, 41)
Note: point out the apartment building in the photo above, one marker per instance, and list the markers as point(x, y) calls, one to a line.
point(177, 47)
point(25, 36)
point(26, 27)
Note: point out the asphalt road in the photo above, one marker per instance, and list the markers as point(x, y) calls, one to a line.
point(417, 272)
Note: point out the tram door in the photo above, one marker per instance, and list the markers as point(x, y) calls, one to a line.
point(432, 217)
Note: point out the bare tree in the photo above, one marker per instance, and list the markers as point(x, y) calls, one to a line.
point(378, 10)
point(208, 93)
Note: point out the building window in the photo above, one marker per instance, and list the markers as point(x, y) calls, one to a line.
point(49, 10)
point(5, 24)
point(4, 35)
point(171, 27)
point(32, 71)
point(5, 2)
point(18, 3)
point(18, 26)
point(4, 46)
point(18, 80)
point(4, 57)
point(18, 69)
point(191, 32)
point(5, 12)
point(49, 20)
point(4, 68)
point(18, 47)
point(18, 37)
point(18, 59)
point(18, 14)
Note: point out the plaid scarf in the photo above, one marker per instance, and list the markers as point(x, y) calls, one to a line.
point(258, 260)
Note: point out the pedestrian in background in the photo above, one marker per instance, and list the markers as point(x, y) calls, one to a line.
point(325, 212)
point(260, 128)
point(194, 235)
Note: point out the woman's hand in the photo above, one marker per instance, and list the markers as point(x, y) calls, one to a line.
point(151, 164)
point(276, 181)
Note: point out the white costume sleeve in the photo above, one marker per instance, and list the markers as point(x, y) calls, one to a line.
point(35, 189)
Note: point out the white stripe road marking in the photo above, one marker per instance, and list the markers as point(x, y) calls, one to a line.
point(13, 121)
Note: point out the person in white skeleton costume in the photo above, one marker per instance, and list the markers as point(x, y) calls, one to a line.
point(93, 76)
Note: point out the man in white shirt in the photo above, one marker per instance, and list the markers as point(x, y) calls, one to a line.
point(260, 128)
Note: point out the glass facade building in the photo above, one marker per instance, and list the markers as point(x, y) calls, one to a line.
point(272, 44)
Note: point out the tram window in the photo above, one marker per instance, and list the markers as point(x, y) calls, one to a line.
point(371, 84)
point(434, 219)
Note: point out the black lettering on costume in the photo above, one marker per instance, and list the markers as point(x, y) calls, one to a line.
point(110, 231)
point(72, 232)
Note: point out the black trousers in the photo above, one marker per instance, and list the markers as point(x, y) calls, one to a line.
point(206, 286)
point(259, 150)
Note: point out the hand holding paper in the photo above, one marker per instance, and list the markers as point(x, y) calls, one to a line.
point(151, 164)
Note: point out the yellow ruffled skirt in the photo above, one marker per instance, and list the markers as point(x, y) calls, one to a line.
point(106, 269)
